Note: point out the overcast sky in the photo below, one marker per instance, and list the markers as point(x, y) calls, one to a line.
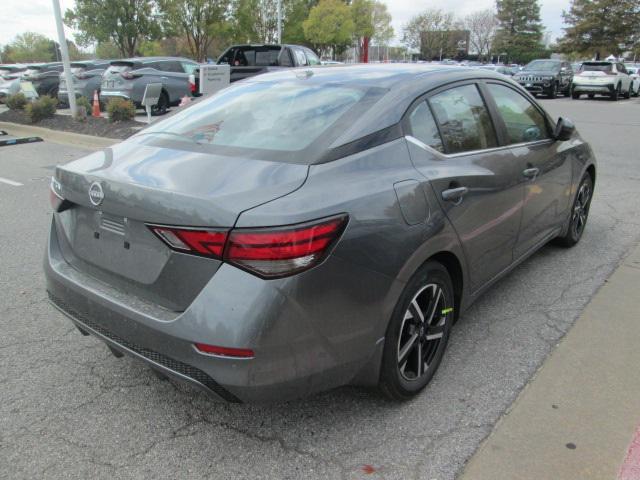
point(19, 16)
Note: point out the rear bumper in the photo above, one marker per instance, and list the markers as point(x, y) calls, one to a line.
point(107, 94)
point(593, 88)
point(298, 349)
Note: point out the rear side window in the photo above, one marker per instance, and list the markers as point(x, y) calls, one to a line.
point(463, 118)
point(300, 58)
point(285, 58)
point(189, 67)
point(523, 120)
point(424, 128)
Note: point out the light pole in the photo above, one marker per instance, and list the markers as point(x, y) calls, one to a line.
point(279, 21)
point(65, 59)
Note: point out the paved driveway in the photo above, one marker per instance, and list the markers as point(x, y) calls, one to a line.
point(69, 409)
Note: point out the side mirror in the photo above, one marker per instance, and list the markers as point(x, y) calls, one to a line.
point(564, 129)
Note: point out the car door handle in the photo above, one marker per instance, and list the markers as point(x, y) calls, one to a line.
point(454, 194)
point(531, 172)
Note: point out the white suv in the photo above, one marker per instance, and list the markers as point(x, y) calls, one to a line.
point(602, 78)
point(634, 72)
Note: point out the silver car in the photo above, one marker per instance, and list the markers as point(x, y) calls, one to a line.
point(128, 79)
point(313, 228)
point(10, 79)
point(87, 77)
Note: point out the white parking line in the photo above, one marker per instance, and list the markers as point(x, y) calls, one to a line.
point(10, 182)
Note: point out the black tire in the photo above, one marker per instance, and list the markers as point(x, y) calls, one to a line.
point(627, 94)
point(161, 107)
point(53, 92)
point(553, 93)
point(575, 95)
point(615, 95)
point(592, 95)
point(401, 377)
point(579, 213)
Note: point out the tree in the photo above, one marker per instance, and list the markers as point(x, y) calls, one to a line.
point(519, 32)
point(601, 27)
point(29, 47)
point(370, 18)
point(482, 27)
point(293, 25)
point(329, 26)
point(123, 22)
point(431, 31)
point(196, 20)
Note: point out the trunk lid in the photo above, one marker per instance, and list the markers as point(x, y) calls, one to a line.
point(148, 180)
point(113, 79)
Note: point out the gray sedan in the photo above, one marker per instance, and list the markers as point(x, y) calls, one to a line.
point(313, 228)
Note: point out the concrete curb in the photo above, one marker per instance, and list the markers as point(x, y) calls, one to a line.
point(57, 136)
point(576, 418)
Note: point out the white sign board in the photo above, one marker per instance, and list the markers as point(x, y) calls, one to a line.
point(213, 77)
point(28, 90)
point(151, 97)
point(151, 94)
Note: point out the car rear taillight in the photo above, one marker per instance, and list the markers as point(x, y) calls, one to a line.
point(224, 351)
point(192, 83)
point(277, 252)
point(266, 252)
point(209, 243)
point(130, 75)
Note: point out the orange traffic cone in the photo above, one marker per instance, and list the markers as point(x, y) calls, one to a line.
point(96, 105)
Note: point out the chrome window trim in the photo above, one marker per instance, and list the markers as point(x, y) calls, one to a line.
point(430, 149)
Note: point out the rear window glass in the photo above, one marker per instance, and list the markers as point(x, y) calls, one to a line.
point(596, 67)
point(118, 68)
point(283, 116)
point(464, 120)
point(252, 57)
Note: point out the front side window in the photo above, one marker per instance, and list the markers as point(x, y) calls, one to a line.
point(523, 120)
point(312, 58)
point(464, 121)
point(424, 128)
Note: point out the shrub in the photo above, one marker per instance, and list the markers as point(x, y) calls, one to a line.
point(17, 101)
point(43, 107)
point(119, 109)
point(83, 102)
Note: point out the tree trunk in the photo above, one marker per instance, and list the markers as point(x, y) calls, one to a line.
point(365, 50)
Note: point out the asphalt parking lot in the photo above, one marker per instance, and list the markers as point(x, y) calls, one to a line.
point(69, 409)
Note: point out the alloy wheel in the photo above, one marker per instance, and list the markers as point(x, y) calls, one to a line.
point(581, 210)
point(421, 331)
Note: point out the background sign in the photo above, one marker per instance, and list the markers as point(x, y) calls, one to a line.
point(213, 77)
point(28, 90)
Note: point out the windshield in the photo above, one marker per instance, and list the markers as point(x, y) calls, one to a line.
point(542, 65)
point(596, 67)
point(287, 116)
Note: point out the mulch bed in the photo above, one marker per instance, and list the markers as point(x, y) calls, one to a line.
point(99, 127)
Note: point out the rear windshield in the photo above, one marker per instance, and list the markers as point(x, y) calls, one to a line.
point(251, 56)
point(265, 117)
point(596, 67)
point(118, 68)
point(542, 65)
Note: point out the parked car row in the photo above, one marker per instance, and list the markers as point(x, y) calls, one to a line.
point(110, 78)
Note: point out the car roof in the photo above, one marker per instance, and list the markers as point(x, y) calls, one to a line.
point(403, 84)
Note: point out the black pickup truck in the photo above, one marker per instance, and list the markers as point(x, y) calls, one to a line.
point(249, 60)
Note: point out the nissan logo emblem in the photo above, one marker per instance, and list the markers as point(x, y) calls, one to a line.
point(96, 195)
